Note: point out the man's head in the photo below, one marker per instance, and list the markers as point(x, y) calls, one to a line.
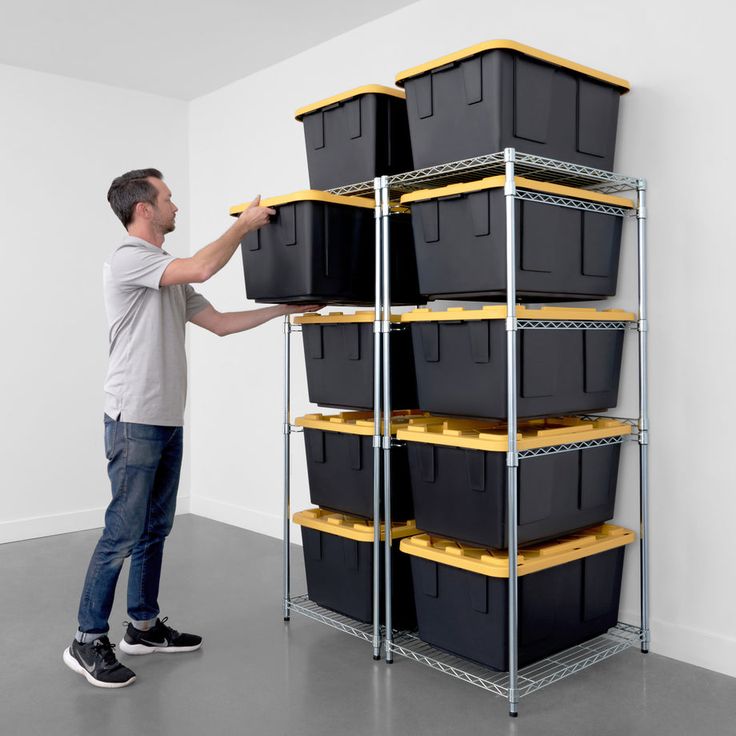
point(141, 196)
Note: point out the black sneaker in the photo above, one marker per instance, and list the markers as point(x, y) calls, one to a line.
point(160, 638)
point(96, 662)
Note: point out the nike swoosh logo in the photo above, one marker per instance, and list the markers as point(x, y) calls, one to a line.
point(163, 643)
point(89, 668)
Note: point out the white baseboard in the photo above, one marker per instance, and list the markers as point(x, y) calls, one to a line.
point(695, 646)
point(245, 518)
point(34, 527)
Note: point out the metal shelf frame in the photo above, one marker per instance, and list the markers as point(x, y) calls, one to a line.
point(517, 682)
point(513, 163)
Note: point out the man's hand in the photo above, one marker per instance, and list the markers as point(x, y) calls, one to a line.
point(299, 308)
point(254, 216)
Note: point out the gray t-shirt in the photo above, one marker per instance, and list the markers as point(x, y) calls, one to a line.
point(147, 373)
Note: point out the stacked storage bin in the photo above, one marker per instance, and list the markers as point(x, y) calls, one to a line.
point(320, 248)
point(338, 557)
point(478, 101)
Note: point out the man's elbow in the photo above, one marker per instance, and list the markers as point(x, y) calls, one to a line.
point(221, 328)
point(202, 274)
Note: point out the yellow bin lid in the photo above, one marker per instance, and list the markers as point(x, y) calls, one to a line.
point(368, 89)
point(495, 563)
point(497, 182)
point(520, 48)
point(350, 527)
point(499, 311)
point(334, 318)
point(356, 422)
point(307, 195)
point(492, 435)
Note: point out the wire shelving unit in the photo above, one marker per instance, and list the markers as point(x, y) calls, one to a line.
point(517, 682)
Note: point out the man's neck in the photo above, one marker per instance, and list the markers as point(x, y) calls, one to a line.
point(147, 234)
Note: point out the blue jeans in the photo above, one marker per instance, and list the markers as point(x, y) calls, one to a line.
point(144, 462)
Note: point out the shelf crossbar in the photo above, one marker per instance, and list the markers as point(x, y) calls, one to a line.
point(549, 324)
point(573, 446)
point(528, 195)
point(532, 677)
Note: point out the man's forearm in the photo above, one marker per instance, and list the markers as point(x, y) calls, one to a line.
point(232, 322)
point(214, 256)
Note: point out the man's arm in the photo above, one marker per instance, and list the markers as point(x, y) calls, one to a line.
point(206, 262)
point(228, 323)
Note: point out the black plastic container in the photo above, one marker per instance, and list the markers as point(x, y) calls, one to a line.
point(338, 352)
point(562, 253)
point(356, 136)
point(340, 464)
point(459, 478)
point(460, 360)
point(320, 248)
point(567, 594)
point(501, 94)
point(338, 557)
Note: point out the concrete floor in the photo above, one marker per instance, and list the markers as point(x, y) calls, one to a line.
point(256, 675)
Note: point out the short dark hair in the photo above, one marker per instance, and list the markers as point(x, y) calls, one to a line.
point(129, 189)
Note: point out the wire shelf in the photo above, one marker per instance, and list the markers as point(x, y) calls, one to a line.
point(470, 169)
point(531, 678)
point(548, 324)
point(305, 607)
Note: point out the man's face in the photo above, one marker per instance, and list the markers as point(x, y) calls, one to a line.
point(164, 211)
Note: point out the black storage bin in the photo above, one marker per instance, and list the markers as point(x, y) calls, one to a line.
point(501, 94)
point(355, 136)
point(340, 463)
point(562, 253)
point(320, 248)
point(460, 359)
point(459, 477)
point(338, 557)
point(338, 352)
point(568, 593)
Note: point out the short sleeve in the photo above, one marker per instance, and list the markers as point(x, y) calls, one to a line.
point(139, 265)
point(195, 302)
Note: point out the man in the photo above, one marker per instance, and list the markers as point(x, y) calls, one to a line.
point(149, 300)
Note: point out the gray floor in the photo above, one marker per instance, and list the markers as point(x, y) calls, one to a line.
point(256, 675)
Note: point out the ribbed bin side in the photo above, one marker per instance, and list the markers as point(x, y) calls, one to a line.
point(467, 614)
point(502, 99)
point(561, 253)
point(340, 471)
point(339, 363)
point(462, 493)
point(317, 252)
point(461, 369)
point(340, 577)
point(356, 140)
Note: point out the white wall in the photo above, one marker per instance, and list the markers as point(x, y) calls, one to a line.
point(244, 140)
point(62, 142)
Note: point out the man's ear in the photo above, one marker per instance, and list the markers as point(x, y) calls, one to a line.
point(141, 209)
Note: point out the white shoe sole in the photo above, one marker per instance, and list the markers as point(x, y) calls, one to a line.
point(136, 649)
point(72, 664)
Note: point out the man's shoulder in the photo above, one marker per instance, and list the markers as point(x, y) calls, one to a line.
point(126, 246)
point(133, 247)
